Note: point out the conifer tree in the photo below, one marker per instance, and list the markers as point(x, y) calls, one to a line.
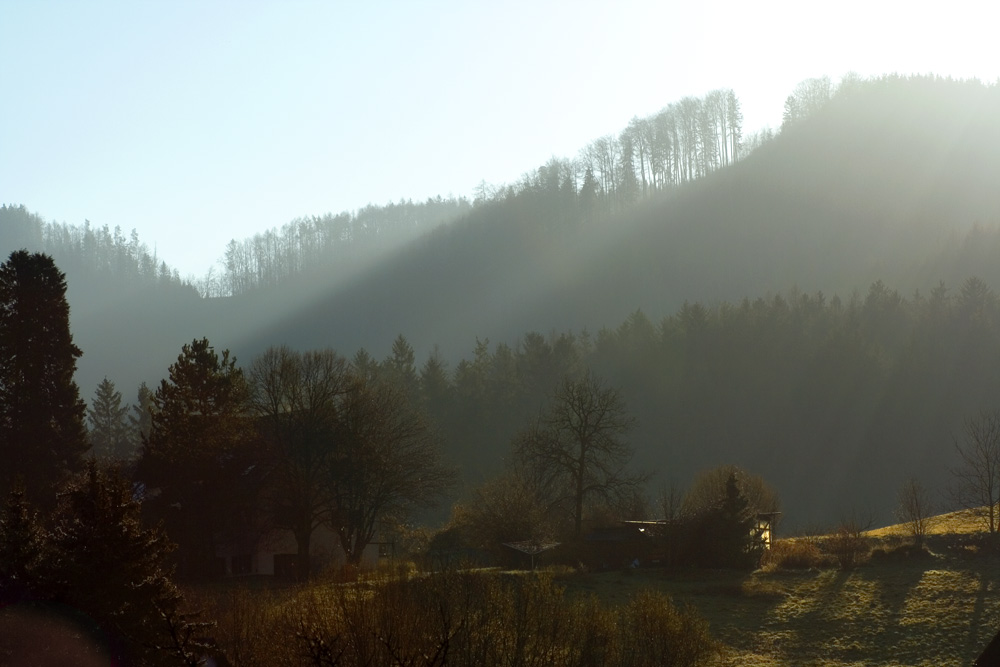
point(105, 563)
point(42, 435)
point(110, 435)
point(401, 368)
point(198, 462)
point(723, 534)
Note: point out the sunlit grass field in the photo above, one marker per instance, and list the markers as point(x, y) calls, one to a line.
point(902, 606)
point(938, 608)
point(927, 612)
point(962, 522)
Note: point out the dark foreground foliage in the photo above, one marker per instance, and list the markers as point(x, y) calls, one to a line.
point(92, 574)
point(457, 618)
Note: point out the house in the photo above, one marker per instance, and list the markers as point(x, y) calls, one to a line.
point(672, 542)
point(764, 527)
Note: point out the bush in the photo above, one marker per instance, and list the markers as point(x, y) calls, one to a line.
point(474, 618)
point(848, 545)
point(653, 632)
point(456, 618)
point(901, 552)
point(247, 622)
point(799, 554)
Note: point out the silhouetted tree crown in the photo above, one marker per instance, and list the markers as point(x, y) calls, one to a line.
point(42, 435)
point(296, 398)
point(102, 560)
point(576, 449)
point(199, 447)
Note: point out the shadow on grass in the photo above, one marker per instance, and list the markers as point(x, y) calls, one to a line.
point(940, 611)
point(983, 624)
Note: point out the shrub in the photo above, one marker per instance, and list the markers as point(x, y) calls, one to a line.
point(848, 545)
point(474, 618)
point(654, 633)
point(246, 622)
point(901, 552)
point(799, 554)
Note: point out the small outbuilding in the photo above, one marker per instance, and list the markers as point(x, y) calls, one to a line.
point(764, 527)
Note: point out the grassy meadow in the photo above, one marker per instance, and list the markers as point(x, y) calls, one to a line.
point(901, 606)
point(933, 610)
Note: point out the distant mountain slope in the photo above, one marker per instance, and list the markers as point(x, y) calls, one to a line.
point(884, 182)
point(893, 180)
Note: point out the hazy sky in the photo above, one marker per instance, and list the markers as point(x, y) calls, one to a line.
point(196, 122)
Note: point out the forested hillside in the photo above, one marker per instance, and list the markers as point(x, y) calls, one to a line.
point(887, 181)
point(818, 310)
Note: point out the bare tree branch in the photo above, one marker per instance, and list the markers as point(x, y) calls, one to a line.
point(575, 449)
point(977, 478)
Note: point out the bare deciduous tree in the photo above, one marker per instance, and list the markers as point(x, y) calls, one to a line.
point(914, 509)
point(576, 449)
point(388, 463)
point(849, 544)
point(296, 399)
point(669, 502)
point(507, 508)
point(977, 478)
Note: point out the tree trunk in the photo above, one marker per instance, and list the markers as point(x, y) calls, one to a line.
point(354, 558)
point(578, 510)
point(302, 563)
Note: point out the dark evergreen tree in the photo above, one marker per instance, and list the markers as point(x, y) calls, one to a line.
point(198, 463)
point(103, 562)
point(589, 193)
point(723, 535)
point(435, 387)
point(42, 435)
point(401, 368)
point(738, 545)
point(110, 435)
point(364, 365)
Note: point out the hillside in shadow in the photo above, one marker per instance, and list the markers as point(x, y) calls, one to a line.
point(885, 182)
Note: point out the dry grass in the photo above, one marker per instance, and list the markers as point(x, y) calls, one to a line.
point(962, 522)
point(938, 609)
point(454, 618)
point(797, 554)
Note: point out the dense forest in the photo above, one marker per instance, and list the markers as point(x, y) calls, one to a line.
point(815, 304)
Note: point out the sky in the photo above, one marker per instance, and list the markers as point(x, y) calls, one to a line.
point(199, 122)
